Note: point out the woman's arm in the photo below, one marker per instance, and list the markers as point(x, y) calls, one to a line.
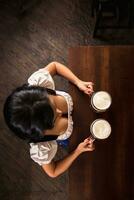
point(58, 68)
point(54, 169)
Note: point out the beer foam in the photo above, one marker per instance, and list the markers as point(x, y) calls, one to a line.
point(102, 100)
point(101, 129)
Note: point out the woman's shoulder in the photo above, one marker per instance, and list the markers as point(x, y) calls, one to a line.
point(43, 78)
point(43, 152)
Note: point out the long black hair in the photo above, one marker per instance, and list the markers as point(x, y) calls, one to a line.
point(28, 113)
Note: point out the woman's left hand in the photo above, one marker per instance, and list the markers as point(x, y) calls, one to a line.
point(86, 87)
point(86, 145)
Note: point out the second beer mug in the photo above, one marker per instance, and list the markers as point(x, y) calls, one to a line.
point(100, 129)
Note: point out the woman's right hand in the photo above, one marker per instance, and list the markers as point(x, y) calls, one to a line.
point(86, 145)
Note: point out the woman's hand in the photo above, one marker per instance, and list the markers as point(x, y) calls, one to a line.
point(86, 145)
point(54, 169)
point(86, 87)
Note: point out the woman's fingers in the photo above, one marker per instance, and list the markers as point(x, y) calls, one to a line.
point(90, 83)
point(90, 147)
point(88, 92)
point(88, 144)
point(86, 87)
point(89, 139)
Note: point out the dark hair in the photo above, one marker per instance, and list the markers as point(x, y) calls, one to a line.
point(27, 112)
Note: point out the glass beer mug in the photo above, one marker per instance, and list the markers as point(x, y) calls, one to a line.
point(101, 101)
point(100, 129)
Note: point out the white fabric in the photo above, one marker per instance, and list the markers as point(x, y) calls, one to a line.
point(42, 78)
point(69, 130)
point(44, 152)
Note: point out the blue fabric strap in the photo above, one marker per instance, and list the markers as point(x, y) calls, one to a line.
point(63, 143)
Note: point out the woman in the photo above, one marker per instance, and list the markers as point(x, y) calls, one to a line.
point(42, 116)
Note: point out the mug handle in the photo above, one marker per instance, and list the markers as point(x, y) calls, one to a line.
point(92, 138)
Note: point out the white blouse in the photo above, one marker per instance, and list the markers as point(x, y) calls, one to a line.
point(44, 152)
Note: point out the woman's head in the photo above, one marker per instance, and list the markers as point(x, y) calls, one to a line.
point(28, 112)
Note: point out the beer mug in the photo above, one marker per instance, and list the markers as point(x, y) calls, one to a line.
point(100, 129)
point(101, 101)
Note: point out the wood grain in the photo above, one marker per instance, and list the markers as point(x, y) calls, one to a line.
point(107, 172)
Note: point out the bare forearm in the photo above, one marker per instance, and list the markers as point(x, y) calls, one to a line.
point(62, 165)
point(66, 72)
point(54, 169)
point(62, 70)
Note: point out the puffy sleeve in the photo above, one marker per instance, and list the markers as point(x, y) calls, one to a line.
point(43, 152)
point(42, 78)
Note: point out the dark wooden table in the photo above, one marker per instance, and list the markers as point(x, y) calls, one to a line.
point(108, 172)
